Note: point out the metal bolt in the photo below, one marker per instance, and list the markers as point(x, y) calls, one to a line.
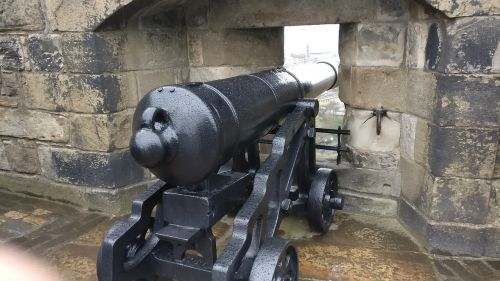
point(160, 90)
point(172, 90)
point(311, 133)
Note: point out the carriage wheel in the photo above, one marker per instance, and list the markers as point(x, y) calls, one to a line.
point(276, 261)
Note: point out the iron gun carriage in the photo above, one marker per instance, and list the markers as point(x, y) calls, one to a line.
point(202, 141)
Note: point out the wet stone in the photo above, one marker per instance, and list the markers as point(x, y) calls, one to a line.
point(460, 270)
point(478, 267)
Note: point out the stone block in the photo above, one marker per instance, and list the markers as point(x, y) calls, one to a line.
point(415, 139)
point(462, 200)
point(363, 135)
point(45, 52)
point(101, 132)
point(416, 184)
point(9, 88)
point(420, 98)
point(23, 156)
point(408, 134)
point(381, 182)
point(468, 45)
point(263, 47)
point(449, 239)
point(422, 143)
point(452, 8)
point(114, 51)
point(21, 15)
point(203, 74)
point(43, 91)
point(393, 9)
point(462, 152)
point(74, 15)
point(12, 56)
point(421, 11)
point(369, 204)
point(380, 44)
point(93, 52)
point(496, 172)
point(4, 162)
point(151, 79)
point(468, 101)
point(373, 159)
point(107, 170)
point(94, 93)
point(78, 93)
point(415, 44)
point(163, 49)
point(255, 13)
point(373, 87)
point(111, 201)
point(372, 44)
point(34, 125)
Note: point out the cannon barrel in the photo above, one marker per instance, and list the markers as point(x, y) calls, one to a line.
point(183, 133)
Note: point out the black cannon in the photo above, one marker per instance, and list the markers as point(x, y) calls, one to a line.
point(202, 141)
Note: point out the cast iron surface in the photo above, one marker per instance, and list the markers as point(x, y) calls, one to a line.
point(184, 134)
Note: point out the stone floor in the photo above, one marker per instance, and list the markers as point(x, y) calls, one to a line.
point(357, 247)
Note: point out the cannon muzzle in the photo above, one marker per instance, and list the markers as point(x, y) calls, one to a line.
point(183, 133)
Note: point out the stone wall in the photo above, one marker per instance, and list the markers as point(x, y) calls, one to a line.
point(72, 71)
point(71, 74)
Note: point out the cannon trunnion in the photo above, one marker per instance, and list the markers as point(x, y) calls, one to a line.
point(202, 141)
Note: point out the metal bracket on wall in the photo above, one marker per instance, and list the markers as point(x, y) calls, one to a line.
point(379, 113)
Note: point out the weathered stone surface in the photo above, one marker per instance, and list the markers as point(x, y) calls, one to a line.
point(463, 152)
point(9, 88)
point(450, 239)
point(255, 13)
point(101, 132)
point(422, 140)
point(393, 9)
point(74, 15)
point(469, 101)
point(468, 45)
point(382, 182)
point(236, 47)
point(408, 133)
point(373, 44)
point(462, 200)
point(34, 125)
point(364, 134)
point(155, 49)
point(21, 15)
point(78, 93)
point(361, 203)
point(415, 44)
point(23, 156)
point(108, 170)
point(496, 173)
point(373, 87)
point(12, 56)
point(373, 159)
point(453, 8)
point(45, 52)
point(420, 98)
point(114, 51)
point(204, 74)
point(111, 201)
point(150, 79)
point(4, 162)
point(94, 93)
point(416, 184)
point(93, 52)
